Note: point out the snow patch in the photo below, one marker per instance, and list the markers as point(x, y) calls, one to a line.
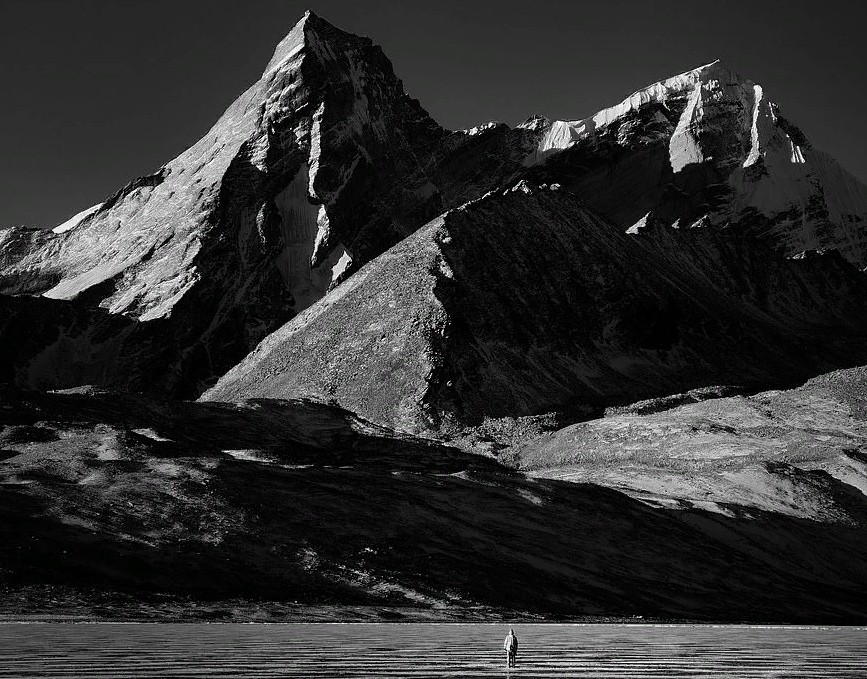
point(479, 129)
point(534, 123)
point(342, 264)
point(530, 497)
point(560, 135)
point(74, 221)
point(684, 148)
point(639, 225)
point(151, 434)
point(797, 155)
point(323, 235)
point(755, 151)
point(247, 455)
point(523, 186)
point(315, 146)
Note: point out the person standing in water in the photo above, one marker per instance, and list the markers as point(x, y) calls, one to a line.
point(511, 647)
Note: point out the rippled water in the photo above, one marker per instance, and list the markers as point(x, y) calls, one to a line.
point(429, 650)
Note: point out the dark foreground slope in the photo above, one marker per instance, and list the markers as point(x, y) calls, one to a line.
point(525, 302)
point(109, 500)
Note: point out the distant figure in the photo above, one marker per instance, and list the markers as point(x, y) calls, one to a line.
point(511, 647)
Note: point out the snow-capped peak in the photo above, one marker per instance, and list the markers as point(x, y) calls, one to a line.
point(534, 122)
point(480, 129)
point(564, 133)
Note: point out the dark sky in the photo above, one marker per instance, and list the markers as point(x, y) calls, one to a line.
point(97, 92)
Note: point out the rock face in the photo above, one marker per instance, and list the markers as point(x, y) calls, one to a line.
point(707, 144)
point(525, 302)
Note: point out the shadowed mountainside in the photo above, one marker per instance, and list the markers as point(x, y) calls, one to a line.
point(525, 302)
point(302, 503)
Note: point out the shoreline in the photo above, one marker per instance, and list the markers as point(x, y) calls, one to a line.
point(378, 616)
point(63, 604)
point(61, 620)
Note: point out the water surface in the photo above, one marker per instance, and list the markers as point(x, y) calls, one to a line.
point(429, 650)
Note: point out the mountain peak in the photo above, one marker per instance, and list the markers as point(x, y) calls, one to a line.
point(318, 164)
point(312, 21)
point(723, 71)
point(713, 81)
point(310, 24)
point(290, 45)
point(715, 66)
point(660, 91)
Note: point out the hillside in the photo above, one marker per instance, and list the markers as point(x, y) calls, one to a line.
point(525, 302)
point(120, 506)
point(798, 452)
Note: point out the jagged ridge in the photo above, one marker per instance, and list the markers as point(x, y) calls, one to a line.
point(707, 143)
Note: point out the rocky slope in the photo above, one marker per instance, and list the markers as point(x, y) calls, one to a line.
point(123, 506)
point(525, 302)
point(797, 452)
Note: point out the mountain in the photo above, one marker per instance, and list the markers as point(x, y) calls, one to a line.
point(325, 163)
point(707, 144)
point(525, 302)
point(319, 166)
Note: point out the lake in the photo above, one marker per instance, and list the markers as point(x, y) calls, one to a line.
point(429, 650)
